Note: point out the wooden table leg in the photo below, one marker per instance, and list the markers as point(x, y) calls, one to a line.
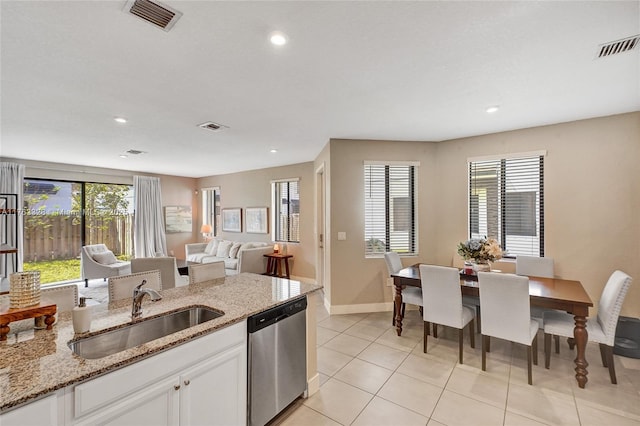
point(4, 330)
point(581, 336)
point(49, 319)
point(398, 302)
point(286, 265)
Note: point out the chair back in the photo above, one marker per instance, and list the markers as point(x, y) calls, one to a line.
point(166, 265)
point(206, 272)
point(394, 264)
point(534, 266)
point(611, 303)
point(504, 301)
point(441, 295)
point(64, 296)
point(122, 287)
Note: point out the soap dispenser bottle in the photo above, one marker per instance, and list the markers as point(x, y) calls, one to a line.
point(81, 316)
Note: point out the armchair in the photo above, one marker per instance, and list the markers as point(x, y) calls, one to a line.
point(97, 261)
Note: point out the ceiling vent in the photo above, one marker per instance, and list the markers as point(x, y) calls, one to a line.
point(153, 12)
point(618, 46)
point(214, 127)
point(135, 152)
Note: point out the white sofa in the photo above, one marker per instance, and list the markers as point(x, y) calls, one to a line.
point(97, 261)
point(237, 256)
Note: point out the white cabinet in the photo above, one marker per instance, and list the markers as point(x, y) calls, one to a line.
point(211, 392)
point(203, 382)
point(221, 379)
point(45, 411)
point(156, 405)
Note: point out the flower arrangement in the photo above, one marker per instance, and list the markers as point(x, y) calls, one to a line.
point(480, 250)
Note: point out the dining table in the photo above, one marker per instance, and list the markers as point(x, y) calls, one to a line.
point(550, 293)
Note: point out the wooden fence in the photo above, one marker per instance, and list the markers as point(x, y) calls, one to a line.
point(60, 237)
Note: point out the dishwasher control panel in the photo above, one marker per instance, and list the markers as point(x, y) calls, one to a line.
point(275, 314)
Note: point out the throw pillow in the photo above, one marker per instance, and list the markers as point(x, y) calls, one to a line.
point(223, 248)
point(233, 253)
point(212, 247)
point(105, 258)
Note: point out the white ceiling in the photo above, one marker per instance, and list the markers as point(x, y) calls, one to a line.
point(357, 70)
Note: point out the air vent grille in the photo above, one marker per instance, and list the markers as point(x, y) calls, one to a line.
point(135, 152)
point(618, 46)
point(214, 127)
point(154, 13)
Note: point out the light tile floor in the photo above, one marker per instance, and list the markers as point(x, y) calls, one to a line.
point(370, 376)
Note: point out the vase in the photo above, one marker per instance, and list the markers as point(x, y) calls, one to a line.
point(481, 267)
point(24, 289)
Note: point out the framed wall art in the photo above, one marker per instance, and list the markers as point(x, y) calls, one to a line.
point(232, 220)
point(177, 219)
point(256, 220)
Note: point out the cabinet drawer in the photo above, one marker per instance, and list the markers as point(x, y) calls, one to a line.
point(115, 385)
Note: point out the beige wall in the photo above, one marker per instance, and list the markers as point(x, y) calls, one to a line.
point(354, 278)
point(592, 196)
point(253, 189)
point(592, 204)
point(175, 190)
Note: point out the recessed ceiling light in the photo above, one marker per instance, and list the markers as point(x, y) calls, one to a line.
point(273, 151)
point(278, 38)
point(123, 156)
point(120, 120)
point(492, 109)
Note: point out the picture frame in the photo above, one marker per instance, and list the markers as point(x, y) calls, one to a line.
point(178, 219)
point(256, 220)
point(232, 219)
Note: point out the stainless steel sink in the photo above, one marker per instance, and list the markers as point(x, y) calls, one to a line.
point(140, 332)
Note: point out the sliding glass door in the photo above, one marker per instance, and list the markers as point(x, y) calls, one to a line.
point(62, 216)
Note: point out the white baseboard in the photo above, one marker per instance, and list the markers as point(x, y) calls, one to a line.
point(313, 385)
point(359, 308)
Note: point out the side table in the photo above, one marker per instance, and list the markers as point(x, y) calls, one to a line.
point(274, 264)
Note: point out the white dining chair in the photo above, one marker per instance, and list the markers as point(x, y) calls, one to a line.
point(122, 287)
point(458, 262)
point(167, 267)
point(64, 296)
point(533, 266)
point(505, 314)
point(206, 272)
point(442, 303)
point(411, 295)
point(601, 330)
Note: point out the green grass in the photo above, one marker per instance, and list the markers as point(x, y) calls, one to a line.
point(52, 271)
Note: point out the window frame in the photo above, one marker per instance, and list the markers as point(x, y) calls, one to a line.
point(503, 199)
point(390, 209)
point(276, 208)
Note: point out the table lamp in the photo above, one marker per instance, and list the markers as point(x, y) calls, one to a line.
point(206, 231)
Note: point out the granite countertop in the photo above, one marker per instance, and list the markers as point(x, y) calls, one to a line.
point(33, 363)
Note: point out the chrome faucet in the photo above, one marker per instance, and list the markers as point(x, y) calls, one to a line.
point(138, 295)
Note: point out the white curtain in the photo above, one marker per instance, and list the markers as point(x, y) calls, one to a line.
point(11, 181)
point(148, 232)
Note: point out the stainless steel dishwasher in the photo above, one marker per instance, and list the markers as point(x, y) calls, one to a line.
point(277, 360)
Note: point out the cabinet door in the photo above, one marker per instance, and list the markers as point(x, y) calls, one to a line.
point(39, 413)
point(214, 392)
point(154, 406)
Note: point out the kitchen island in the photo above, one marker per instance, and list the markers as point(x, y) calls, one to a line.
point(38, 363)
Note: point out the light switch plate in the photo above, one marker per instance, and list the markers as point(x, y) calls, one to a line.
point(342, 236)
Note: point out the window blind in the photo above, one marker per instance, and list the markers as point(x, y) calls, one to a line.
point(506, 201)
point(286, 208)
point(390, 209)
